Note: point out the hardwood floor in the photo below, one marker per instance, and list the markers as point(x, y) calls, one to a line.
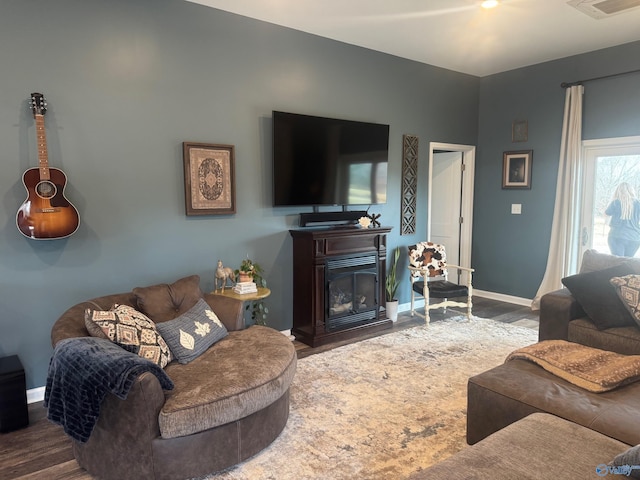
point(43, 451)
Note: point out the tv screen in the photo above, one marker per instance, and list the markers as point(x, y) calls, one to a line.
point(327, 161)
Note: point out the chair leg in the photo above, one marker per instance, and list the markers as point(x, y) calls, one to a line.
point(425, 294)
point(412, 310)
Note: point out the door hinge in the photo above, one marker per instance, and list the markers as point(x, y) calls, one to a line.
point(461, 220)
point(462, 167)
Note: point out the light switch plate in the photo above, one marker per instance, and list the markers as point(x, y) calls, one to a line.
point(516, 208)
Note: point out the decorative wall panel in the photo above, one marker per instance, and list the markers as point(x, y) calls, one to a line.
point(409, 184)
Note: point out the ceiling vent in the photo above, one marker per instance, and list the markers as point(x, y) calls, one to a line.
point(604, 8)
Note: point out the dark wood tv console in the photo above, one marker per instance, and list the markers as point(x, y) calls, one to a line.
point(338, 283)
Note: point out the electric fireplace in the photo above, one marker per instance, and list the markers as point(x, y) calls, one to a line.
point(338, 284)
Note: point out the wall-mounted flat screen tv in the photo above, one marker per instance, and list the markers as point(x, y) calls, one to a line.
point(326, 161)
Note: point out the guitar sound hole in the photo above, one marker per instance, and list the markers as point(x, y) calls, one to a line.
point(46, 189)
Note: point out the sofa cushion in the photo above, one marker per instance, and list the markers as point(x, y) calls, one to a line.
point(131, 330)
point(592, 261)
point(242, 374)
point(540, 446)
point(624, 340)
point(92, 327)
point(164, 301)
point(598, 297)
point(193, 332)
point(628, 290)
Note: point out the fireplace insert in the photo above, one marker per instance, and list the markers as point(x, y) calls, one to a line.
point(352, 291)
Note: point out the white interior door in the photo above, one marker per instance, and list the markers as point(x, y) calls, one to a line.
point(450, 199)
point(446, 188)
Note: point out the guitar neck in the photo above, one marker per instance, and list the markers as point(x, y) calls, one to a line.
point(43, 158)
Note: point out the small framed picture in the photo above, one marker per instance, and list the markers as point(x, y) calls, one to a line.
point(209, 179)
point(516, 169)
point(519, 131)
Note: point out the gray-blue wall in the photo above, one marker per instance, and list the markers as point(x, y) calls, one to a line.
point(510, 251)
point(127, 81)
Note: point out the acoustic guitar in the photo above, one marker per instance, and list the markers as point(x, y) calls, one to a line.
point(46, 214)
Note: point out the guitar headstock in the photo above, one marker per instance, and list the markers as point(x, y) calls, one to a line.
point(38, 104)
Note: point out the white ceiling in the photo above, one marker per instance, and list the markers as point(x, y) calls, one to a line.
point(453, 34)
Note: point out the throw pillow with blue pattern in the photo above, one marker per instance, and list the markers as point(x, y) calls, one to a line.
point(193, 332)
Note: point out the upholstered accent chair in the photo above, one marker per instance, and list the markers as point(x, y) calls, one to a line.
point(428, 270)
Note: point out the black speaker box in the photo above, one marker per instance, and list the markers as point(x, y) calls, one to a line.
point(13, 395)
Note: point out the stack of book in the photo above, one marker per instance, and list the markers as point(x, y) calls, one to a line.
point(245, 287)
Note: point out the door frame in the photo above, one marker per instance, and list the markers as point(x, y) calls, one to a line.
point(466, 206)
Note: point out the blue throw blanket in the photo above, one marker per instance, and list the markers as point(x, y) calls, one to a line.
point(81, 373)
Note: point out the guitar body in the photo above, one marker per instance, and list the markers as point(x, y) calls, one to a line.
point(46, 213)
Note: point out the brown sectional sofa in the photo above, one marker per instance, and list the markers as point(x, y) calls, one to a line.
point(563, 318)
point(518, 388)
point(509, 427)
point(232, 401)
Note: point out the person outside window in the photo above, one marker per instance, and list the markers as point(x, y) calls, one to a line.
point(624, 231)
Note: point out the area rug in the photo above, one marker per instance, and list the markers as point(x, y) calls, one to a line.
point(383, 408)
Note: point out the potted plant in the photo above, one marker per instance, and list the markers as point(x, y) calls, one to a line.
point(250, 272)
point(391, 286)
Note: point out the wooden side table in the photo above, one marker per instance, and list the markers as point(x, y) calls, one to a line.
point(262, 292)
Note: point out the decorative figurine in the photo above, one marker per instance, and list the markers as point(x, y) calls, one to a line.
point(222, 275)
point(374, 219)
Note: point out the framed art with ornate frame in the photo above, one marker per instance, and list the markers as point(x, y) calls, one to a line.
point(516, 169)
point(209, 178)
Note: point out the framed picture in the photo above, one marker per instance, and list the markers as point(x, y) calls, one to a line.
point(516, 169)
point(519, 131)
point(209, 179)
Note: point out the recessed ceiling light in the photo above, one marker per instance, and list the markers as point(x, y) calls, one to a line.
point(489, 3)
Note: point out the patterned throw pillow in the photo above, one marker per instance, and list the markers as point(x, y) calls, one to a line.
point(131, 330)
point(628, 289)
point(193, 332)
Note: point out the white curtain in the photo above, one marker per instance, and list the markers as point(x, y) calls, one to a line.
point(565, 230)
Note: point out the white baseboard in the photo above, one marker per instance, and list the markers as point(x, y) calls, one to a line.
point(525, 302)
point(405, 307)
point(35, 395)
point(287, 333)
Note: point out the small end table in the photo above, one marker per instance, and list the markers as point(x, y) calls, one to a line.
point(263, 292)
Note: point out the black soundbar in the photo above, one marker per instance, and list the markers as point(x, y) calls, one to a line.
point(307, 219)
